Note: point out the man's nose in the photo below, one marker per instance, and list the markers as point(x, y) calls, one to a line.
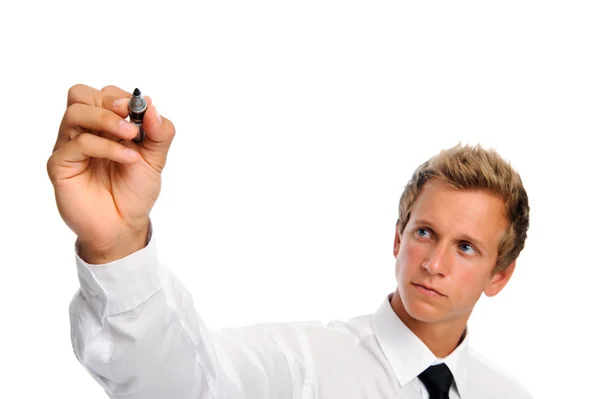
point(439, 259)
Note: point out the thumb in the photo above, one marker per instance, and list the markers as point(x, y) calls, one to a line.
point(159, 132)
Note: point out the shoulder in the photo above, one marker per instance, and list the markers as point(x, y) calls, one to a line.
point(487, 376)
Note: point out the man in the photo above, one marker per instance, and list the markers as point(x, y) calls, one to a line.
point(463, 220)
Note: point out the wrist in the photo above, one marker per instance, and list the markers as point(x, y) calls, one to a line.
point(123, 247)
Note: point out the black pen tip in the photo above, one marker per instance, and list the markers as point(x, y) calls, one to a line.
point(137, 92)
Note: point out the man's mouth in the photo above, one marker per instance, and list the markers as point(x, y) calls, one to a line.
point(428, 290)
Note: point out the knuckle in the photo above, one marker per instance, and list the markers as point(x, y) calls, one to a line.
point(49, 165)
point(70, 112)
point(73, 90)
point(76, 87)
point(82, 140)
point(51, 168)
point(110, 88)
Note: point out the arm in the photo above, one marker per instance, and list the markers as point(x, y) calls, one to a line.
point(133, 324)
point(135, 329)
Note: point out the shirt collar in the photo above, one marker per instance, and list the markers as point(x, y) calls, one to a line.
point(408, 355)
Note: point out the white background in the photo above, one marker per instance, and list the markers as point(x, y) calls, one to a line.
point(298, 125)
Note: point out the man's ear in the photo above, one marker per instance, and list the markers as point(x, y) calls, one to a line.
point(499, 280)
point(397, 240)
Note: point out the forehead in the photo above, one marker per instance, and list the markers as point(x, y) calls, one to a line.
point(473, 212)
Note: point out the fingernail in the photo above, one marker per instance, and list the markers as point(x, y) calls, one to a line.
point(158, 117)
point(127, 126)
point(120, 102)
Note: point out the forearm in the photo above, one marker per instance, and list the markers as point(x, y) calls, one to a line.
point(147, 352)
point(135, 329)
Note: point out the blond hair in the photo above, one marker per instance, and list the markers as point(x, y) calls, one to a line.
point(472, 167)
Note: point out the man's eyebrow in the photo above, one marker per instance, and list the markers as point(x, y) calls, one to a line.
point(425, 222)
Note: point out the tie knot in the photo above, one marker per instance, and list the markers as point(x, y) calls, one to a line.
point(437, 380)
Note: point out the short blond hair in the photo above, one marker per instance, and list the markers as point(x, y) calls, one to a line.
point(473, 167)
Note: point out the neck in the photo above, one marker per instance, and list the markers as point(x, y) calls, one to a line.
point(441, 338)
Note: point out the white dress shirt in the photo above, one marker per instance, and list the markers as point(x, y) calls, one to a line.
point(135, 329)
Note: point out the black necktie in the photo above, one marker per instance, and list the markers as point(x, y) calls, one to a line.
point(437, 380)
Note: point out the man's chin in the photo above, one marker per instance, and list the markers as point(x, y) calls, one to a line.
point(425, 313)
point(422, 310)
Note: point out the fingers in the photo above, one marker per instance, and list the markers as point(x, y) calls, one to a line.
point(110, 97)
point(85, 94)
point(67, 161)
point(82, 117)
point(99, 119)
point(107, 98)
point(160, 132)
point(115, 91)
point(102, 112)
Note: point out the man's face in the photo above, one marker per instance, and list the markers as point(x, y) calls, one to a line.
point(446, 254)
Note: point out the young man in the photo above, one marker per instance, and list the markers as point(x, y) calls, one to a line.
point(463, 220)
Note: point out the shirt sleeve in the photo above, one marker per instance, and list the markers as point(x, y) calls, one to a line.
point(135, 329)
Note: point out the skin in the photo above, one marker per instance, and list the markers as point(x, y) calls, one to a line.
point(450, 244)
point(105, 184)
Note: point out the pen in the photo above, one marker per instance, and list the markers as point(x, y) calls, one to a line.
point(137, 108)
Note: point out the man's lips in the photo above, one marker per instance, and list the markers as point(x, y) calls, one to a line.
point(427, 289)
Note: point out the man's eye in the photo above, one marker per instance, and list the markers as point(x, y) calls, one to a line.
point(468, 248)
point(422, 232)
